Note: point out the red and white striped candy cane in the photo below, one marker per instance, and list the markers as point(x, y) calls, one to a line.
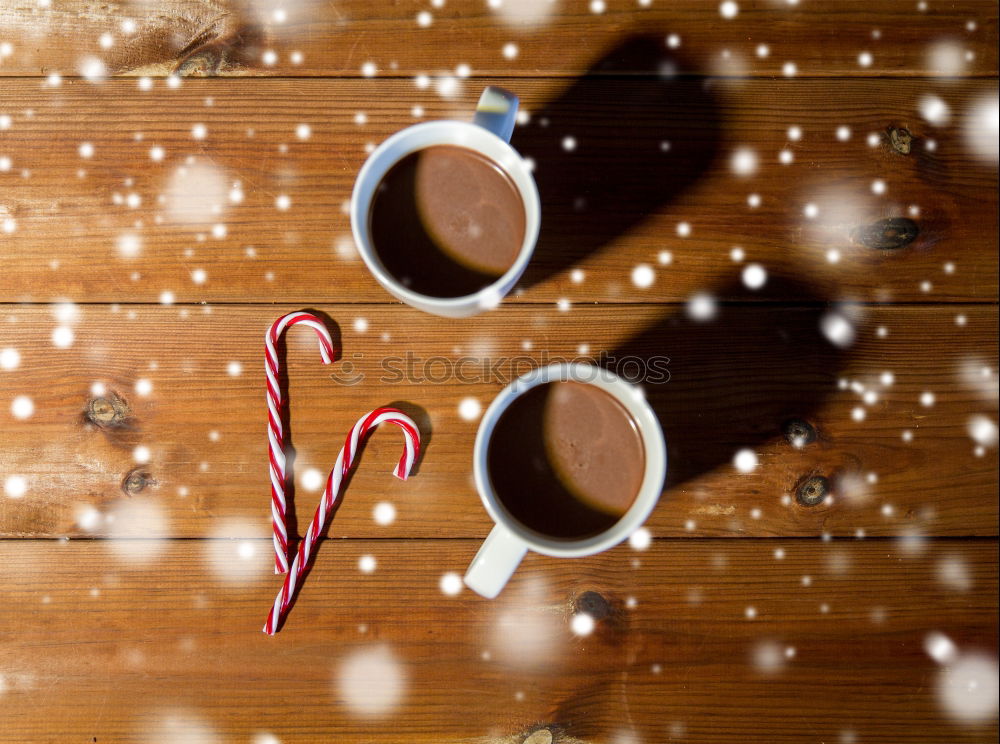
point(275, 434)
point(345, 460)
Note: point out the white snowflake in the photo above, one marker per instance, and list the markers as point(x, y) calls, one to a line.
point(643, 276)
point(983, 430)
point(384, 513)
point(754, 276)
point(450, 584)
point(93, 69)
point(15, 486)
point(641, 539)
point(729, 9)
point(312, 479)
point(10, 358)
point(469, 409)
point(371, 682)
point(62, 337)
point(837, 329)
point(701, 307)
point(745, 461)
point(934, 110)
point(743, 161)
point(582, 624)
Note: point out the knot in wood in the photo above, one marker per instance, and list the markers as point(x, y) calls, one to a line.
point(540, 736)
point(203, 62)
point(593, 604)
point(799, 432)
point(888, 234)
point(901, 140)
point(135, 481)
point(813, 490)
point(107, 411)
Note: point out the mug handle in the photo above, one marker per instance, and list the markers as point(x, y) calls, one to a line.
point(495, 562)
point(497, 112)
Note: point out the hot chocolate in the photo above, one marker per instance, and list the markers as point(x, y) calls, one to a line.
point(566, 460)
point(446, 221)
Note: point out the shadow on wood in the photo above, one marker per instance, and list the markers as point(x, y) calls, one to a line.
point(773, 373)
point(600, 166)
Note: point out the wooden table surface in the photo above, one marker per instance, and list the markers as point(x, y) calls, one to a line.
point(173, 177)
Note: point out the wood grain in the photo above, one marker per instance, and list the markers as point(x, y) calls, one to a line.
point(134, 291)
point(232, 37)
point(733, 383)
point(121, 227)
point(169, 648)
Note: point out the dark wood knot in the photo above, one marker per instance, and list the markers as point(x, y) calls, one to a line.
point(136, 481)
point(203, 62)
point(813, 490)
point(108, 411)
point(901, 140)
point(888, 234)
point(799, 432)
point(593, 604)
point(228, 42)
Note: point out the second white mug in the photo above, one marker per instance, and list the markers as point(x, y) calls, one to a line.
point(510, 539)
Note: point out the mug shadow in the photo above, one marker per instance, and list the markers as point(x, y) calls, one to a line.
point(613, 149)
point(736, 379)
point(758, 368)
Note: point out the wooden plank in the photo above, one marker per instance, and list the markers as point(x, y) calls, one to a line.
point(733, 384)
point(171, 650)
point(119, 226)
point(314, 37)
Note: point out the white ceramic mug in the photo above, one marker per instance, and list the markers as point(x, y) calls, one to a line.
point(488, 135)
point(507, 544)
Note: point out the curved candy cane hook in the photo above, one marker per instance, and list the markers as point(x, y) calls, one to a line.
point(344, 462)
point(275, 434)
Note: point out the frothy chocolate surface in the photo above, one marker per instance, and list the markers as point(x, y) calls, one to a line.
point(566, 460)
point(446, 221)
